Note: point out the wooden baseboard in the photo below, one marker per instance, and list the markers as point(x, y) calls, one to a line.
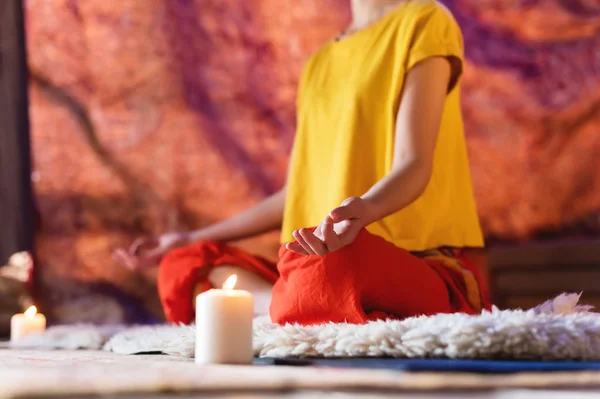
point(525, 275)
point(528, 302)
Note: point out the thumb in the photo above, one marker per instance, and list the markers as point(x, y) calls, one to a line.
point(350, 209)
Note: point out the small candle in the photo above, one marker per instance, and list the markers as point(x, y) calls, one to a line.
point(23, 324)
point(224, 325)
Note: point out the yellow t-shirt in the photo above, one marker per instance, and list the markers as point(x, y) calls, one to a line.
point(347, 105)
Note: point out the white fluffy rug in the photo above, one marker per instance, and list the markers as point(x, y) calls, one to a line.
point(557, 329)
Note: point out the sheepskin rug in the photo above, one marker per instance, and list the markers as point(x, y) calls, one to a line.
point(556, 330)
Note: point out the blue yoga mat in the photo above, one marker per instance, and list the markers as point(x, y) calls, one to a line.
point(437, 365)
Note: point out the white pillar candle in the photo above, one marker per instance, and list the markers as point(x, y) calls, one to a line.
point(23, 324)
point(224, 325)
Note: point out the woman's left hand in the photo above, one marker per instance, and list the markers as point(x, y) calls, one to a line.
point(337, 230)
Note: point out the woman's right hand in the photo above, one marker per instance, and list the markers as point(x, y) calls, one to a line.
point(263, 217)
point(147, 252)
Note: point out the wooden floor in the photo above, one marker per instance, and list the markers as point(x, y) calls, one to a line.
point(90, 374)
point(505, 394)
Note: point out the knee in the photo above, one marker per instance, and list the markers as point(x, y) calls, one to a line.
point(313, 270)
point(309, 277)
point(363, 243)
point(345, 260)
point(179, 277)
point(315, 290)
point(180, 266)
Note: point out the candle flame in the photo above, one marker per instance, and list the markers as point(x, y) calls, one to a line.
point(29, 313)
point(229, 284)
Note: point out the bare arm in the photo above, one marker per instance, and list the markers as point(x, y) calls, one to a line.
point(263, 217)
point(417, 125)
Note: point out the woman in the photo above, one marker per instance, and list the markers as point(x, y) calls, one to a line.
point(379, 132)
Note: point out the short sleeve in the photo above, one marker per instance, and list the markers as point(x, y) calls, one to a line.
point(436, 34)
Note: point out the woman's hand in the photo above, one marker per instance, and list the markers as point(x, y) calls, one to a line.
point(261, 218)
point(147, 252)
point(337, 230)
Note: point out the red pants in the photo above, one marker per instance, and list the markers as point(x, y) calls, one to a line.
point(369, 279)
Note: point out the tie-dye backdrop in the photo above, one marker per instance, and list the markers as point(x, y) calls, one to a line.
point(152, 115)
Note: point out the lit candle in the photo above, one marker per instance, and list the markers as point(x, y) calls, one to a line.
point(224, 325)
point(23, 324)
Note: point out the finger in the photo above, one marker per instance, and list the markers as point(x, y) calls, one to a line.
point(124, 258)
point(318, 232)
point(332, 240)
point(296, 248)
point(344, 212)
point(315, 244)
point(136, 246)
point(302, 242)
point(120, 255)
